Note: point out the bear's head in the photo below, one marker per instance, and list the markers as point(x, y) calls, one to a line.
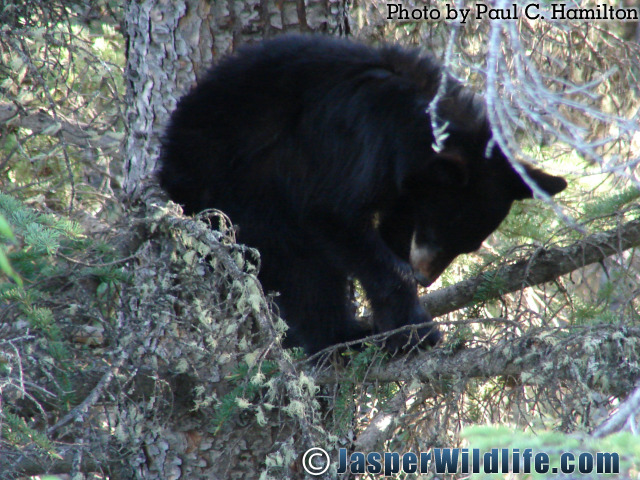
point(462, 194)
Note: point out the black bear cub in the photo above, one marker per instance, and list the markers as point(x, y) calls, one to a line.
point(322, 152)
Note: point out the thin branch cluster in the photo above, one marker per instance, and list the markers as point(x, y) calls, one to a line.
point(61, 98)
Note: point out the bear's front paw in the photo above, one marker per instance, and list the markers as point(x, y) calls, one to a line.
point(426, 336)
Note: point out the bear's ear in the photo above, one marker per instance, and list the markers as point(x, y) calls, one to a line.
point(549, 183)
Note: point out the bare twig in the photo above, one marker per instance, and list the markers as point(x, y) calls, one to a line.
point(80, 410)
point(626, 412)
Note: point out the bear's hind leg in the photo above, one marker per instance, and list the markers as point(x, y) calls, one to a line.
point(314, 301)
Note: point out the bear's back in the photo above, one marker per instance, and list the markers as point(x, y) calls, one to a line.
point(273, 113)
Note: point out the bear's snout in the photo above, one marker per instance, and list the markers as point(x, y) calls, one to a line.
point(427, 262)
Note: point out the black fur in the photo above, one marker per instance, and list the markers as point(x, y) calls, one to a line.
point(320, 150)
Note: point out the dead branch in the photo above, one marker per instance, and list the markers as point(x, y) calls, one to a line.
point(625, 415)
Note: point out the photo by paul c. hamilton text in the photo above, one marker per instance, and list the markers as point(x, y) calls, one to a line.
point(397, 11)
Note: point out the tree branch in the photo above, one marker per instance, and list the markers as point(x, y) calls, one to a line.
point(544, 266)
point(543, 359)
point(73, 133)
point(540, 361)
